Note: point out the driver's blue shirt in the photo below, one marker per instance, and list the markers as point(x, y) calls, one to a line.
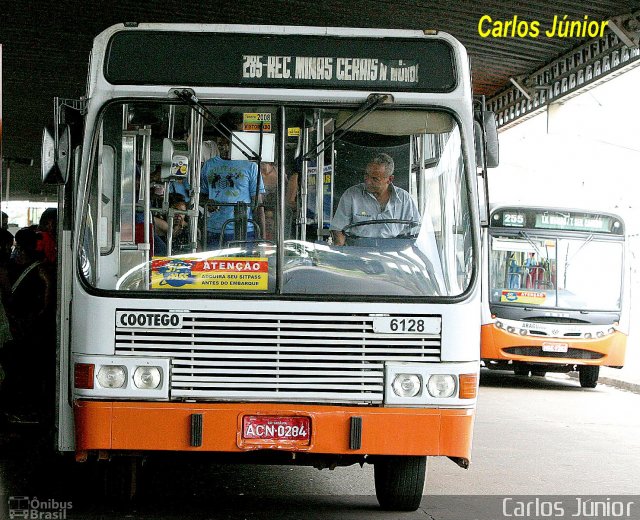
point(358, 205)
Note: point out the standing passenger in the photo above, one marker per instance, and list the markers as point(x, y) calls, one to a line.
point(229, 182)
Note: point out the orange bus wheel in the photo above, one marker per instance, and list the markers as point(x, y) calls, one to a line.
point(588, 375)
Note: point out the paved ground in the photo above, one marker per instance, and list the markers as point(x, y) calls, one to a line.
point(533, 436)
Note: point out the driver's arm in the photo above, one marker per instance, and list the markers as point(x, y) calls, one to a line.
point(339, 237)
point(341, 219)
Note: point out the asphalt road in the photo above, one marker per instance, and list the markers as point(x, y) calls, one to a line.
point(533, 436)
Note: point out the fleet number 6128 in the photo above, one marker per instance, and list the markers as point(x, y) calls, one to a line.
point(406, 325)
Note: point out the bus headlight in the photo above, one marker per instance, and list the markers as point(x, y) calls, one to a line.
point(112, 376)
point(441, 385)
point(147, 378)
point(407, 385)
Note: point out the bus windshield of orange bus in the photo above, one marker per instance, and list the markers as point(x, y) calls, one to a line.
point(572, 272)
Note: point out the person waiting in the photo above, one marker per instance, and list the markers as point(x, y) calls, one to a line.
point(375, 199)
point(31, 314)
point(47, 227)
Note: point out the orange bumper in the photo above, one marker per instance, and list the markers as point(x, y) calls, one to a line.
point(167, 427)
point(495, 340)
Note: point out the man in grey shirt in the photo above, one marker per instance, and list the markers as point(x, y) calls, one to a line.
point(374, 199)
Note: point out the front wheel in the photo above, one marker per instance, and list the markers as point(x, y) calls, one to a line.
point(400, 482)
point(588, 376)
point(520, 370)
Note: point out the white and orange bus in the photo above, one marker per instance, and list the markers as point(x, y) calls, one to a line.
point(283, 345)
point(556, 295)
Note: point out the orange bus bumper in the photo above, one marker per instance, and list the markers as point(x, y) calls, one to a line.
point(495, 340)
point(154, 426)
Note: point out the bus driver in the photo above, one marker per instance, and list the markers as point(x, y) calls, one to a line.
point(374, 199)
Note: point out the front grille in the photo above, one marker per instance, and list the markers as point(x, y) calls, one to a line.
point(555, 319)
point(555, 333)
point(572, 353)
point(277, 357)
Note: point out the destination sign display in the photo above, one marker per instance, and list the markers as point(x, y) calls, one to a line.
point(573, 222)
point(557, 219)
point(278, 60)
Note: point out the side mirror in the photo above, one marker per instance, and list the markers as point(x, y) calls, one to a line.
point(491, 135)
point(479, 142)
point(55, 162)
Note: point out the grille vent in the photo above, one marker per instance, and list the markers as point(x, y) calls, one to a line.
point(277, 357)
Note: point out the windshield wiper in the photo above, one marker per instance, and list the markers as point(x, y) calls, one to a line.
point(370, 104)
point(567, 260)
point(528, 239)
point(189, 97)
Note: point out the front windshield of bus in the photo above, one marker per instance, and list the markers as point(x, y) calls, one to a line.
point(581, 273)
point(340, 202)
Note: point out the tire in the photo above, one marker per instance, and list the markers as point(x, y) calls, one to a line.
point(400, 482)
point(521, 370)
point(539, 373)
point(120, 479)
point(588, 376)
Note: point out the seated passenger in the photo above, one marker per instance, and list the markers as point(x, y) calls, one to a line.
point(157, 225)
point(181, 239)
point(374, 199)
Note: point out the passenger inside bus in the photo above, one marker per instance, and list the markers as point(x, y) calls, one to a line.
point(269, 172)
point(514, 272)
point(181, 238)
point(158, 245)
point(229, 187)
point(376, 199)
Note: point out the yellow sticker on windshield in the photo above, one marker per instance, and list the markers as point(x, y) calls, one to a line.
point(251, 121)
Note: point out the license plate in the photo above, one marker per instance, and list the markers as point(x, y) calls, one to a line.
point(555, 347)
point(406, 325)
point(276, 428)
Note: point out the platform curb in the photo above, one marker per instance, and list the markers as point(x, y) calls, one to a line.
point(611, 381)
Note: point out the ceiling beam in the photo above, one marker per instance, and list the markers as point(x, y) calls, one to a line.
point(594, 62)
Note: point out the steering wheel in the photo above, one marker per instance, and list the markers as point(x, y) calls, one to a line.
point(411, 223)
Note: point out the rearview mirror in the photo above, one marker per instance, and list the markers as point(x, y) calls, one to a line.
point(491, 134)
point(55, 162)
